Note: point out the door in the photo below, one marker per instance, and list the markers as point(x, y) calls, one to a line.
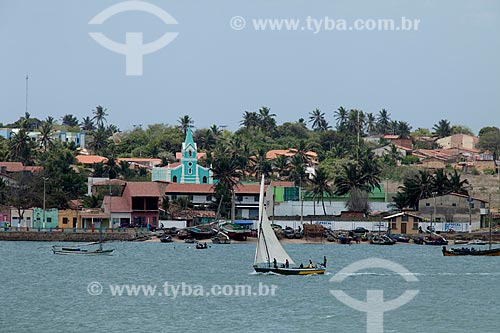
point(403, 228)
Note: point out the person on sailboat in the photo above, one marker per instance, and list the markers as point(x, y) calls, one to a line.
point(310, 264)
point(287, 264)
point(275, 263)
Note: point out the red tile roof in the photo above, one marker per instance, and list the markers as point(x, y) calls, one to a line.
point(142, 189)
point(91, 159)
point(118, 204)
point(210, 188)
point(272, 154)
point(19, 167)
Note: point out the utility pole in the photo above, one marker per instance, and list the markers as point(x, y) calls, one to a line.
point(44, 195)
point(26, 102)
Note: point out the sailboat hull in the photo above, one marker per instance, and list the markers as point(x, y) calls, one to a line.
point(290, 271)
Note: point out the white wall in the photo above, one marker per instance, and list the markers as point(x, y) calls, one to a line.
point(292, 208)
point(172, 223)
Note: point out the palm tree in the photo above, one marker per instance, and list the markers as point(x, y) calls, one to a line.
point(20, 146)
point(261, 166)
point(317, 118)
point(399, 202)
point(100, 115)
point(403, 130)
point(320, 187)
point(266, 119)
point(356, 121)
point(226, 170)
point(417, 188)
point(383, 121)
point(341, 116)
point(99, 140)
point(250, 120)
point(371, 124)
point(112, 168)
point(87, 124)
point(45, 137)
point(185, 122)
point(456, 185)
point(69, 120)
point(440, 182)
point(281, 166)
point(442, 128)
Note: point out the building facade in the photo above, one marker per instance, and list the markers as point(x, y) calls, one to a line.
point(187, 171)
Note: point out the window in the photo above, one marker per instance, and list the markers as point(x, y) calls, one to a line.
point(404, 218)
point(174, 179)
point(256, 198)
point(190, 163)
point(190, 153)
point(393, 225)
point(190, 197)
point(190, 171)
point(454, 204)
point(239, 198)
point(173, 197)
point(204, 180)
point(209, 198)
point(415, 226)
point(49, 219)
point(427, 204)
point(472, 206)
point(65, 220)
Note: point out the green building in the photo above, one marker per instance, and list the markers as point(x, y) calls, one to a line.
point(187, 170)
point(51, 218)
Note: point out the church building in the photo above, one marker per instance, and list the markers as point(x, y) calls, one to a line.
point(187, 170)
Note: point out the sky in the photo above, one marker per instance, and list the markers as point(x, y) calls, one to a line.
point(214, 69)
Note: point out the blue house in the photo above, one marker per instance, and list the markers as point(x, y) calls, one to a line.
point(187, 170)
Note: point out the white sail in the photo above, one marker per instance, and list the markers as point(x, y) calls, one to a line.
point(268, 245)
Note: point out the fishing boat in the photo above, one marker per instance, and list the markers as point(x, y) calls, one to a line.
point(235, 231)
point(200, 246)
point(381, 240)
point(270, 256)
point(166, 239)
point(464, 251)
point(82, 249)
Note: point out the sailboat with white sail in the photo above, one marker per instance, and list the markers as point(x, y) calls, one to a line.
point(270, 256)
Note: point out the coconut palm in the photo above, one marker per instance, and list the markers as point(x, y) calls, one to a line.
point(69, 120)
point(281, 166)
point(87, 124)
point(383, 121)
point(319, 123)
point(20, 146)
point(266, 119)
point(45, 137)
point(100, 115)
point(320, 186)
point(341, 116)
point(185, 122)
point(371, 124)
point(250, 120)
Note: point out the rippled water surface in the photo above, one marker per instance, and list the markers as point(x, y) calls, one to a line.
point(42, 292)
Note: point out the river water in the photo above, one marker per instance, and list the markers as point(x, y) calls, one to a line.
point(43, 292)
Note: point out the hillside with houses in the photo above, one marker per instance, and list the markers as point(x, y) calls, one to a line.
point(69, 173)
